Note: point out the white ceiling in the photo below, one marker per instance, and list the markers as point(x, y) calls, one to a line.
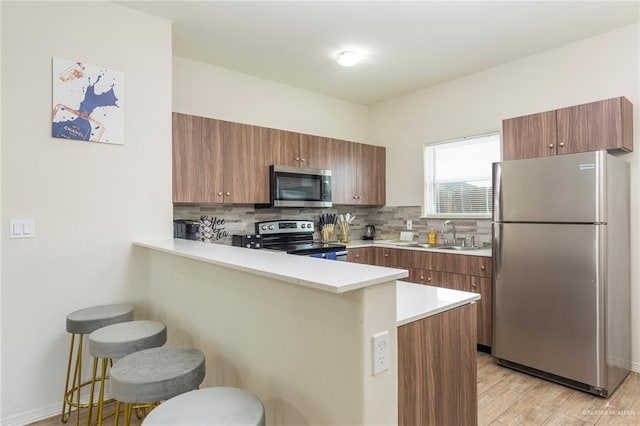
point(407, 45)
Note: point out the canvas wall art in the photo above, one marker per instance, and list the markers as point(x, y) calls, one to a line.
point(88, 102)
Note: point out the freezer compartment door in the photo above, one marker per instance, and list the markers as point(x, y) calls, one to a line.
point(548, 311)
point(564, 188)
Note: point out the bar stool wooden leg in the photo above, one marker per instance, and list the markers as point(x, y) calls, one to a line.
point(117, 416)
point(72, 394)
point(127, 415)
point(66, 412)
point(93, 388)
point(101, 397)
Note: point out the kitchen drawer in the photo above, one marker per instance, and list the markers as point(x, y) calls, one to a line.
point(429, 260)
point(479, 266)
point(387, 257)
point(361, 255)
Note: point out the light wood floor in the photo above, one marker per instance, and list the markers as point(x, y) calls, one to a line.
point(507, 397)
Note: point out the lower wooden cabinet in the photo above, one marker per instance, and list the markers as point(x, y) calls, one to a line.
point(455, 271)
point(437, 373)
point(362, 255)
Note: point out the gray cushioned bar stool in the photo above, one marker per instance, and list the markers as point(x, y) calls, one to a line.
point(219, 406)
point(117, 341)
point(79, 323)
point(153, 375)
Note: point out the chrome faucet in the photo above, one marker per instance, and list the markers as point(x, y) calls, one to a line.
point(444, 226)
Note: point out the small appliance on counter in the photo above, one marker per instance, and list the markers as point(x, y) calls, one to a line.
point(248, 241)
point(296, 237)
point(186, 229)
point(369, 232)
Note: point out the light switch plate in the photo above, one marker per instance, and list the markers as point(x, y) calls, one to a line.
point(22, 228)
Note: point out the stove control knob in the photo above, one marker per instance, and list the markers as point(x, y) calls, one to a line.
point(271, 227)
point(303, 226)
point(264, 227)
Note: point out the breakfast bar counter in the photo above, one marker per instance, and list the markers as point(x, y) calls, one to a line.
point(294, 330)
point(336, 277)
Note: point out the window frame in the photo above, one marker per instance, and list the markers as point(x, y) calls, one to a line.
point(427, 190)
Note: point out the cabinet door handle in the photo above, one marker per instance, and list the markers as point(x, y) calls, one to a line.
point(355, 197)
point(297, 158)
point(550, 145)
point(357, 256)
point(421, 278)
point(220, 194)
point(386, 255)
point(303, 160)
point(561, 144)
point(429, 279)
point(474, 285)
point(227, 194)
point(482, 267)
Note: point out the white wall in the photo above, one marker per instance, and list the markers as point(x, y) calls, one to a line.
point(89, 200)
point(215, 92)
point(602, 67)
point(306, 353)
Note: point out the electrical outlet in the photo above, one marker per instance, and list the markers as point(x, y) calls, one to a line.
point(409, 224)
point(380, 352)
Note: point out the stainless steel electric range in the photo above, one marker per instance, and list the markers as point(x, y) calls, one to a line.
point(296, 237)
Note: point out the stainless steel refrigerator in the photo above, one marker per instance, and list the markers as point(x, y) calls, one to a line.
point(561, 269)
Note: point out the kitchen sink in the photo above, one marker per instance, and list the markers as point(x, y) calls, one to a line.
point(459, 248)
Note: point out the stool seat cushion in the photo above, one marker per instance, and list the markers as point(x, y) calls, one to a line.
point(118, 340)
point(86, 321)
point(157, 374)
point(211, 406)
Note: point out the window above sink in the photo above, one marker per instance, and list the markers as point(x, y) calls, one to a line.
point(457, 177)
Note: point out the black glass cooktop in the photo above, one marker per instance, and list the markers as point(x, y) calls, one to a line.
point(308, 248)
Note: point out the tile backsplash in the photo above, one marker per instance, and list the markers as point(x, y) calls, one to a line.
point(389, 221)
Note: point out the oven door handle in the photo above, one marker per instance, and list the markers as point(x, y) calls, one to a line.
point(331, 255)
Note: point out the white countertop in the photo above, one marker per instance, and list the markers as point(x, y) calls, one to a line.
point(417, 301)
point(327, 275)
point(386, 243)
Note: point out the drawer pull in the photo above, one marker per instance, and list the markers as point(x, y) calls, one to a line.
point(482, 268)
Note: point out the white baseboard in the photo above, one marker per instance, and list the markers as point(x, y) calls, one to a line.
point(635, 366)
point(32, 416)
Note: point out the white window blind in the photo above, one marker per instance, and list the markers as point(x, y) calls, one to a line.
point(458, 176)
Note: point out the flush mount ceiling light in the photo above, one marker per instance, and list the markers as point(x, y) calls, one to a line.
point(348, 58)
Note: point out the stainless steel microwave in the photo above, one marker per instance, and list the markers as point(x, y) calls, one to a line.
point(300, 187)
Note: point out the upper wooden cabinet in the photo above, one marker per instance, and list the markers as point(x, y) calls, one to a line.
point(296, 149)
point(284, 147)
point(214, 160)
point(197, 143)
point(598, 125)
point(217, 161)
point(358, 173)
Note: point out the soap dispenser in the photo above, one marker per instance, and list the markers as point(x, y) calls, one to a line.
point(432, 237)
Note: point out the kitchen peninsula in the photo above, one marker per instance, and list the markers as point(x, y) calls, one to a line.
point(297, 331)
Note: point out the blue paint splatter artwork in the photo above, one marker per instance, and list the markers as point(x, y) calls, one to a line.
point(88, 102)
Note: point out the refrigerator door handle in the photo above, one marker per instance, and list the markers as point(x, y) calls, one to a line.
point(497, 192)
point(496, 255)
